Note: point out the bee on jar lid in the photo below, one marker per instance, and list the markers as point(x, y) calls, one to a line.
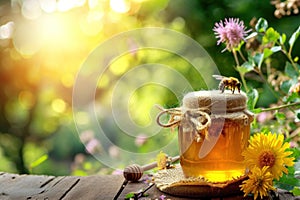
point(228, 82)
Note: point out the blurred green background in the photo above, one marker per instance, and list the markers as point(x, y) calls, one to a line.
point(43, 43)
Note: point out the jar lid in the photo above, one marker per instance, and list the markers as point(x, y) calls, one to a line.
point(213, 101)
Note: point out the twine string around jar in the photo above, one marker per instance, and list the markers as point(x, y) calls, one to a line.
point(197, 118)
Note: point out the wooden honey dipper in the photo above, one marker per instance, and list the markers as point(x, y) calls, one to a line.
point(134, 172)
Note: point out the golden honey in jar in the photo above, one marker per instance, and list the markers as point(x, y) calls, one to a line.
point(212, 134)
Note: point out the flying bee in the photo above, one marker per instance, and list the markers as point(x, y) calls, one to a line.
point(228, 82)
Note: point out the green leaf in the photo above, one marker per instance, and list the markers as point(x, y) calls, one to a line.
point(296, 191)
point(270, 36)
point(267, 53)
point(265, 129)
point(280, 116)
point(253, 34)
point(39, 161)
point(286, 85)
point(252, 99)
point(145, 195)
point(261, 25)
point(246, 67)
point(291, 171)
point(288, 181)
point(282, 38)
point(238, 48)
point(294, 38)
point(296, 154)
point(129, 195)
point(79, 172)
point(276, 49)
point(290, 70)
point(258, 59)
point(293, 97)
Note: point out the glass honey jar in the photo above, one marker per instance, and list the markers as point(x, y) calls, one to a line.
point(213, 131)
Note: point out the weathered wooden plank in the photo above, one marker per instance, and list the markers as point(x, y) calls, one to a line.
point(97, 187)
point(16, 187)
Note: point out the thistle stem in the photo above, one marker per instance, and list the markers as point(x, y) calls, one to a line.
point(241, 75)
point(242, 56)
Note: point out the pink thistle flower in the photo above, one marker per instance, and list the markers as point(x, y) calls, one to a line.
point(231, 32)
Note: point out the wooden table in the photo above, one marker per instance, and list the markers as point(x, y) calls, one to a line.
point(40, 187)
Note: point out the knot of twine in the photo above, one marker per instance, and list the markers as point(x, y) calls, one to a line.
point(198, 119)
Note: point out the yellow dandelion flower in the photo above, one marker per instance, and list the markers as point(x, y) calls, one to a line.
point(259, 183)
point(268, 150)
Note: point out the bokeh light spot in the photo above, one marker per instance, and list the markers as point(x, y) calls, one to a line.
point(82, 118)
point(64, 5)
point(178, 23)
point(26, 99)
point(79, 3)
point(53, 29)
point(94, 16)
point(67, 80)
point(31, 9)
point(58, 105)
point(120, 6)
point(6, 30)
point(120, 66)
point(48, 6)
point(26, 39)
point(92, 23)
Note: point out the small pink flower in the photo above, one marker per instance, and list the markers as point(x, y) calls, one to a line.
point(293, 144)
point(147, 178)
point(262, 117)
point(141, 139)
point(93, 146)
point(117, 172)
point(231, 32)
